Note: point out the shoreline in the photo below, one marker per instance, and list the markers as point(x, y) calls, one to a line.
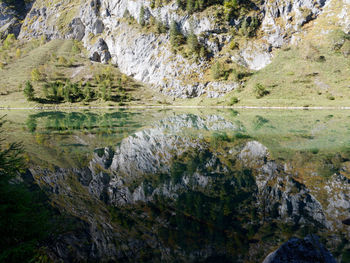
point(178, 107)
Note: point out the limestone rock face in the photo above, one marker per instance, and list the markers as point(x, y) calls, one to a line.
point(148, 57)
point(100, 52)
point(283, 18)
point(9, 21)
point(307, 250)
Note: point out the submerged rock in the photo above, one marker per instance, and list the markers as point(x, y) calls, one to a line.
point(295, 250)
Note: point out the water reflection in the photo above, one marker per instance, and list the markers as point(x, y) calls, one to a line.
point(194, 187)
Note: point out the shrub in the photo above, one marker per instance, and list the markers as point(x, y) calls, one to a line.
point(233, 45)
point(8, 42)
point(192, 42)
point(36, 75)
point(217, 70)
point(105, 90)
point(330, 97)
point(142, 16)
point(76, 48)
point(345, 49)
point(230, 8)
point(176, 38)
point(160, 27)
point(62, 61)
point(234, 100)
point(18, 53)
point(87, 92)
point(337, 39)
point(29, 91)
point(260, 91)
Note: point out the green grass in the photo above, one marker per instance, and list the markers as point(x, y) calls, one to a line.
point(47, 59)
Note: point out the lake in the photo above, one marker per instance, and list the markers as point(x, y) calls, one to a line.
point(190, 185)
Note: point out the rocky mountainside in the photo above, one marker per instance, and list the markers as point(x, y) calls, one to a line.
point(136, 36)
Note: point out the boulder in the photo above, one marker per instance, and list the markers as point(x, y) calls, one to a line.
point(100, 52)
point(295, 250)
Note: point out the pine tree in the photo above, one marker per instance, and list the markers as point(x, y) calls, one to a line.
point(29, 91)
point(142, 16)
point(192, 42)
point(190, 6)
point(176, 38)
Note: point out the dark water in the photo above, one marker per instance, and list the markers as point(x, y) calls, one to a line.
point(190, 186)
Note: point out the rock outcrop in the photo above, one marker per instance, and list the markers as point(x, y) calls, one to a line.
point(110, 32)
point(9, 21)
point(307, 250)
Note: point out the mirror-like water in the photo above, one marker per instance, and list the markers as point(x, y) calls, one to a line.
point(190, 186)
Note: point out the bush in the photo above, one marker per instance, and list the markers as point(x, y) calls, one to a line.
point(230, 8)
point(260, 91)
point(217, 70)
point(62, 61)
point(29, 91)
point(337, 39)
point(105, 91)
point(160, 27)
point(248, 29)
point(330, 97)
point(192, 42)
point(88, 94)
point(18, 53)
point(8, 42)
point(234, 100)
point(142, 16)
point(76, 48)
point(233, 45)
point(36, 75)
point(176, 38)
point(345, 49)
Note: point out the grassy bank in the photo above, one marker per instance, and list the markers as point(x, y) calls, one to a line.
point(303, 76)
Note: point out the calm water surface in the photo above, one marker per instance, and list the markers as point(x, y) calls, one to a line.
point(190, 185)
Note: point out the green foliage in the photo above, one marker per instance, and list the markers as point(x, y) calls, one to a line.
point(160, 27)
point(337, 39)
point(330, 97)
point(345, 49)
point(248, 28)
point(8, 42)
point(76, 48)
point(64, 62)
point(217, 70)
point(29, 91)
point(230, 8)
point(105, 90)
point(176, 38)
point(142, 16)
point(25, 219)
point(36, 75)
point(260, 91)
point(192, 6)
point(58, 91)
point(192, 42)
point(234, 100)
point(88, 94)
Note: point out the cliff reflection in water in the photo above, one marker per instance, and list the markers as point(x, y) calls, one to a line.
point(176, 186)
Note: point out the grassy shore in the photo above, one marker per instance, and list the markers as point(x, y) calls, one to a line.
point(299, 77)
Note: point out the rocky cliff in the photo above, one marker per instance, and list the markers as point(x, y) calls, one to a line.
point(111, 31)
